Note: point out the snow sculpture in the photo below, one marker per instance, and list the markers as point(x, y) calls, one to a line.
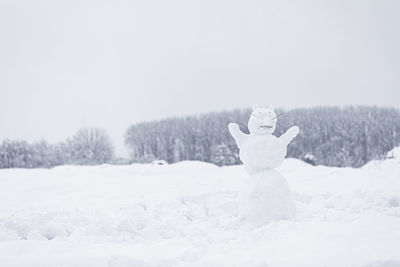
point(266, 195)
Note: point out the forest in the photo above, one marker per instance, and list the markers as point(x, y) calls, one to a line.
point(332, 136)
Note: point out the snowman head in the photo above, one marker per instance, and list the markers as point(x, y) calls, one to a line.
point(262, 120)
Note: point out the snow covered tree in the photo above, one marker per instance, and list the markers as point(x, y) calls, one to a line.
point(15, 154)
point(223, 155)
point(90, 146)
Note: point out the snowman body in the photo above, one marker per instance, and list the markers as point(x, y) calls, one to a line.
point(262, 152)
point(265, 196)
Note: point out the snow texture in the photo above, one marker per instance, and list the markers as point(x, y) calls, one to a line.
point(185, 214)
point(266, 195)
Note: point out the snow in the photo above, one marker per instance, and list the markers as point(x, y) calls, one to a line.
point(265, 196)
point(260, 152)
point(185, 214)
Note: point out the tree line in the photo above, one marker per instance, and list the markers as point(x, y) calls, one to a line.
point(332, 136)
point(89, 146)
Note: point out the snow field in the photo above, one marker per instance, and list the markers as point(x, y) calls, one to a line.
point(185, 214)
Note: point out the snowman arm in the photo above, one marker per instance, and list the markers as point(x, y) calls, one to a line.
point(237, 134)
point(290, 134)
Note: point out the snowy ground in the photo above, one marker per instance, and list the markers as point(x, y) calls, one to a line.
point(185, 215)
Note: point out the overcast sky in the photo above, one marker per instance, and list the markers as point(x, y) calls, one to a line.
point(69, 64)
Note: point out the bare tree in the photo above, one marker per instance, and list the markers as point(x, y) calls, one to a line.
point(15, 154)
point(90, 146)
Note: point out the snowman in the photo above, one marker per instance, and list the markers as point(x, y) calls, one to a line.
point(266, 196)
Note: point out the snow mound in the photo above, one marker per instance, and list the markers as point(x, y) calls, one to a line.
point(394, 153)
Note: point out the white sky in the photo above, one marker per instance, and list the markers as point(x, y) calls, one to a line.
point(69, 64)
